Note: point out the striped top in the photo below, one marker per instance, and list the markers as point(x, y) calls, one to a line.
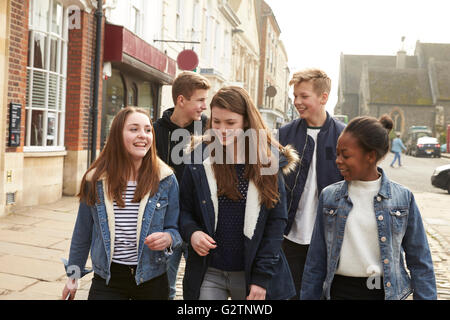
point(125, 242)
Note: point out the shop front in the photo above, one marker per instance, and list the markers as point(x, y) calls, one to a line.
point(137, 73)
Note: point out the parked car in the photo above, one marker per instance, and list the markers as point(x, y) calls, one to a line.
point(414, 133)
point(441, 177)
point(341, 117)
point(426, 146)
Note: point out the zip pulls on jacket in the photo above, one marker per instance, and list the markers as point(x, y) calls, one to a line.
point(298, 172)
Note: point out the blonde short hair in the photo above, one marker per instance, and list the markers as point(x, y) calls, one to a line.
point(320, 80)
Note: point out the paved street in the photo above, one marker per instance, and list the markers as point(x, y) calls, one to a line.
point(34, 239)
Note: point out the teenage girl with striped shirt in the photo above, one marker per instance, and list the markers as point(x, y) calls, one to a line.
point(128, 216)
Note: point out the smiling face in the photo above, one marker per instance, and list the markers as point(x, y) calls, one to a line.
point(309, 105)
point(194, 107)
point(226, 123)
point(354, 162)
point(137, 136)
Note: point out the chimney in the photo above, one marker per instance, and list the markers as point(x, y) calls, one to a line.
point(401, 59)
point(401, 56)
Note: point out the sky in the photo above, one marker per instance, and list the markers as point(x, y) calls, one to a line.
point(316, 32)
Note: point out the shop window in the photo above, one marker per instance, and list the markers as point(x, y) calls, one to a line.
point(46, 76)
point(133, 95)
point(147, 98)
point(113, 101)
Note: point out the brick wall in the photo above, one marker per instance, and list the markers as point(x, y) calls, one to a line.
point(17, 64)
point(80, 68)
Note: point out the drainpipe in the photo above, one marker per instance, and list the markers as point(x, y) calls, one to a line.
point(98, 49)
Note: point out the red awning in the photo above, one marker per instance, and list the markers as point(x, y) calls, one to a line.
point(121, 45)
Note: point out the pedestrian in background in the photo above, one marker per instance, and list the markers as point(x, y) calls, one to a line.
point(189, 93)
point(128, 216)
point(365, 226)
point(397, 147)
point(314, 135)
point(231, 213)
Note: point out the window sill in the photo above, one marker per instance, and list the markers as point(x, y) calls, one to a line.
point(30, 153)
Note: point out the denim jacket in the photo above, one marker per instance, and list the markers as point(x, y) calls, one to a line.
point(400, 232)
point(94, 230)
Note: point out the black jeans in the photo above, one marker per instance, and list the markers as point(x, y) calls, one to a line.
point(296, 256)
point(354, 288)
point(122, 286)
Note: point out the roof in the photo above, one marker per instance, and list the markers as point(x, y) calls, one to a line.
point(352, 67)
point(442, 79)
point(438, 51)
point(399, 86)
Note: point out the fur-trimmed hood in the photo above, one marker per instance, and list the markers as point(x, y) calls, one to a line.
point(289, 158)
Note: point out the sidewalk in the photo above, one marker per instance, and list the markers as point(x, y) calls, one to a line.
point(34, 239)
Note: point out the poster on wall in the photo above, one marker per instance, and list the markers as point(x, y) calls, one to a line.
point(15, 113)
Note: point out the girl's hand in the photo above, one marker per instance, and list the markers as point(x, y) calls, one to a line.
point(256, 293)
point(70, 287)
point(202, 243)
point(158, 241)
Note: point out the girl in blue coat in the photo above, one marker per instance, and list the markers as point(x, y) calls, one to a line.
point(127, 219)
point(367, 227)
point(233, 207)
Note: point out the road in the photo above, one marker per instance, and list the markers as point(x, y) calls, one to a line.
point(434, 206)
point(415, 173)
point(434, 203)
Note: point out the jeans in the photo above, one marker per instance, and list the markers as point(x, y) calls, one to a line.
point(296, 256)
point(397, 156)
point(173, 262)
point(220, 285)
point(122, 286)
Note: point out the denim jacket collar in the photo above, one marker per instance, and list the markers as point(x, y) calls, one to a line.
point(164, 172)
point(385, 189)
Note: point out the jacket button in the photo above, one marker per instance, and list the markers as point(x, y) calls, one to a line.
point(397, 213)
point(388, 284)
point(380, 217)
point(378, 198)
point(386, 261)
point(331, 211)
point(203, 201)
point(383, 239)
point(158, 205)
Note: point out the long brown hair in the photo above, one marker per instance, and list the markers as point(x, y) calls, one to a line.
point(115, 164)
point(237, 100)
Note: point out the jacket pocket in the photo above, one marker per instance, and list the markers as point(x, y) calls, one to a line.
point(399, 218)
point(159, 214)
point(329, 219)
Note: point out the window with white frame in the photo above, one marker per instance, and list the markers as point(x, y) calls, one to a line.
point(136, 17)
point(195, 21)
point(179, 20)
point(46, 76)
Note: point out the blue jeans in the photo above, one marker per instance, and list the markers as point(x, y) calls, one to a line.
point(173, 263)
point(397, 156)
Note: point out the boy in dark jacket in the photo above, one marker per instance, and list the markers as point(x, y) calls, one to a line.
point(314, 136)
point(172, 130)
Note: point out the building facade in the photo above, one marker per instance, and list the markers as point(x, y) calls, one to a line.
point(48, 51)
point(413, 90)
point(47, 55)
point(273, 86)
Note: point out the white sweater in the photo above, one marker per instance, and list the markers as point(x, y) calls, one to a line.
point(360, 253)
